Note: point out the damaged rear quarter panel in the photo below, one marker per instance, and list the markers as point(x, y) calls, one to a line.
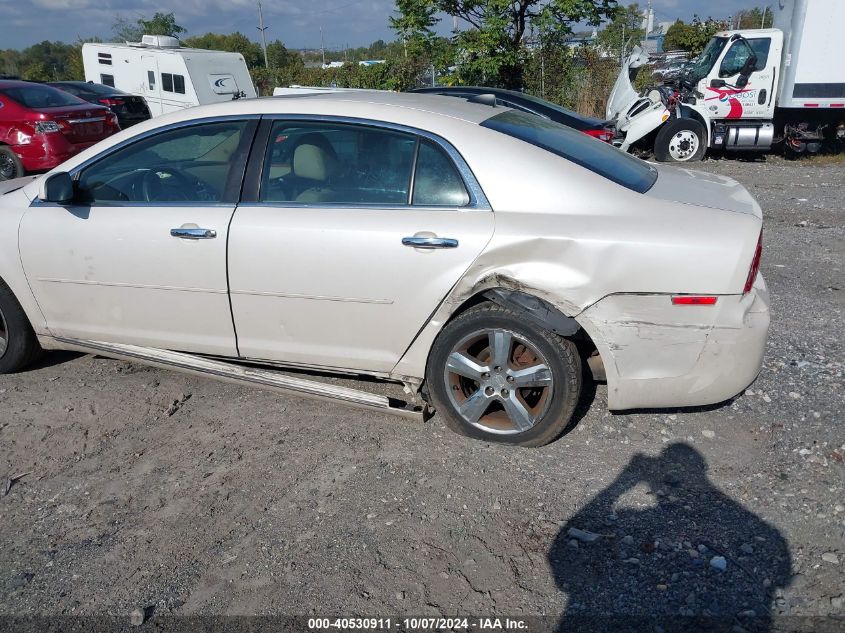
point(572, 238)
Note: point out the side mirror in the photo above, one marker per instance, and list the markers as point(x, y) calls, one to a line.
point(742, 81)
point(717, 83)
point(57, 187)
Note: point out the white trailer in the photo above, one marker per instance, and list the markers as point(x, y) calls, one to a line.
point(167, 75)
point(748, 90)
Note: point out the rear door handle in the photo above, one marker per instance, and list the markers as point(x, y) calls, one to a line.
point(430, 242)
point(193, 234)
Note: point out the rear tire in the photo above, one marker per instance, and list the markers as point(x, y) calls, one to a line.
point(680, 141)
point(493, 375)
point(18, 344)
point(10, 165)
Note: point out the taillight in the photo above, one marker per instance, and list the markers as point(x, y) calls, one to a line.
point(112, 102)
point(111, 120)
point(755, 265)
point(693, 300)
point(46, 127)
point(602, 135)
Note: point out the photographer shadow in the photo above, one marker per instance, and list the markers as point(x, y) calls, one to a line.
point(661, 548)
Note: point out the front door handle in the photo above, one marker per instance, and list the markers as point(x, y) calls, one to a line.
point(193, 233)
point(430, 242)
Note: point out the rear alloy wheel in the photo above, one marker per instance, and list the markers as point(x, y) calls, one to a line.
point(10, 164)
point(495, 376)
point(680, 141)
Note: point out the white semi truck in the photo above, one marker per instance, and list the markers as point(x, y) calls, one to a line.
point(749, 90)
point(167, 75)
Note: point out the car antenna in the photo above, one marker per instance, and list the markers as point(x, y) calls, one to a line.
point(484, 99)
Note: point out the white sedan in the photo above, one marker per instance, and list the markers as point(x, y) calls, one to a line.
point(482, 256)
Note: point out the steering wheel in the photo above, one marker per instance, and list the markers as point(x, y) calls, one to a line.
point(165, 184)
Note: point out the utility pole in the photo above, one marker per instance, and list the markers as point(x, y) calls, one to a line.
point(763, 19)
point(322, 48)
point(263, 30)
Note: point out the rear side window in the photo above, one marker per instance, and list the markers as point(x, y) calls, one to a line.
point(107, 80)
point(337, 163)
point(436, 182)
point(597, 156)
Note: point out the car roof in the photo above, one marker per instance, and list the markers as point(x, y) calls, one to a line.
point(376, 103)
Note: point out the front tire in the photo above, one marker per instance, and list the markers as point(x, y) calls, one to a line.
point(680, 141)
point(495, 376)
point(10, 165)
point(18, 344)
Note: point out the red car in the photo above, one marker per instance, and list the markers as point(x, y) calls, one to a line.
point(41, 127)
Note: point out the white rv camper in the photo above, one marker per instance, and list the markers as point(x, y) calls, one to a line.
point(168, 76)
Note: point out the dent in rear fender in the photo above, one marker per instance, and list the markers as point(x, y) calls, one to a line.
point(660, 355)
point(573, 259)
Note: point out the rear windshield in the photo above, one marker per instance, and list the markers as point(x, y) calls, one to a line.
point(597, 156)
point(37, 96)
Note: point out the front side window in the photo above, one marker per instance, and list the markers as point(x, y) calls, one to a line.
point(190, 164)
point(314, 163)
point(739, 53)
point(597, 156)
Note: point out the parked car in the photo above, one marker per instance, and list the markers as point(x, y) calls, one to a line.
point(41, 127)
point(479, 255)
point(129, 109)
point(591, 126)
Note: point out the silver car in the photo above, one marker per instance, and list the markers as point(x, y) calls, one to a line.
point(481, 256)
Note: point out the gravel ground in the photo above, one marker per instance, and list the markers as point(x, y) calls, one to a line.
point(183, 496)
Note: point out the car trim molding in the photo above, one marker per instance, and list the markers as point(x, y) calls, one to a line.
point(287, 295)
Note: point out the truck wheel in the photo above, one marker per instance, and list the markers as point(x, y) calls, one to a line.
point(680, 141)
point(495, 376)
point(18, 345)
point(10, 164)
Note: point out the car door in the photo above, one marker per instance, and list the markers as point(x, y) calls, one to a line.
point(151, 85)
point(756, 99)
point(139, 257)
point(355, 235)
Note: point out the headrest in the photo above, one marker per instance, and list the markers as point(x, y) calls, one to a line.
point(313, 163)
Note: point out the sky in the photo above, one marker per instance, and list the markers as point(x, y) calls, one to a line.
point(297, 23)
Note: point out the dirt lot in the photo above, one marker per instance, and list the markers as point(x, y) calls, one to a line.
point(182, 496)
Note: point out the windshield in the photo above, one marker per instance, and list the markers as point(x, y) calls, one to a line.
point(702, 65)
point(37, 96)
point(597, 156)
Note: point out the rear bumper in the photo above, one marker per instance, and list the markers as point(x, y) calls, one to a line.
point(657, 355)
point(46, 151)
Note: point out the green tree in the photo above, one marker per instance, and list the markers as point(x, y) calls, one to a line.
point(414, 24)
point(494, 48)
point(754, 18)
point(623, 31)
point(692, 37)
point(279, 56)
point(233, 43)
point(160, 24)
